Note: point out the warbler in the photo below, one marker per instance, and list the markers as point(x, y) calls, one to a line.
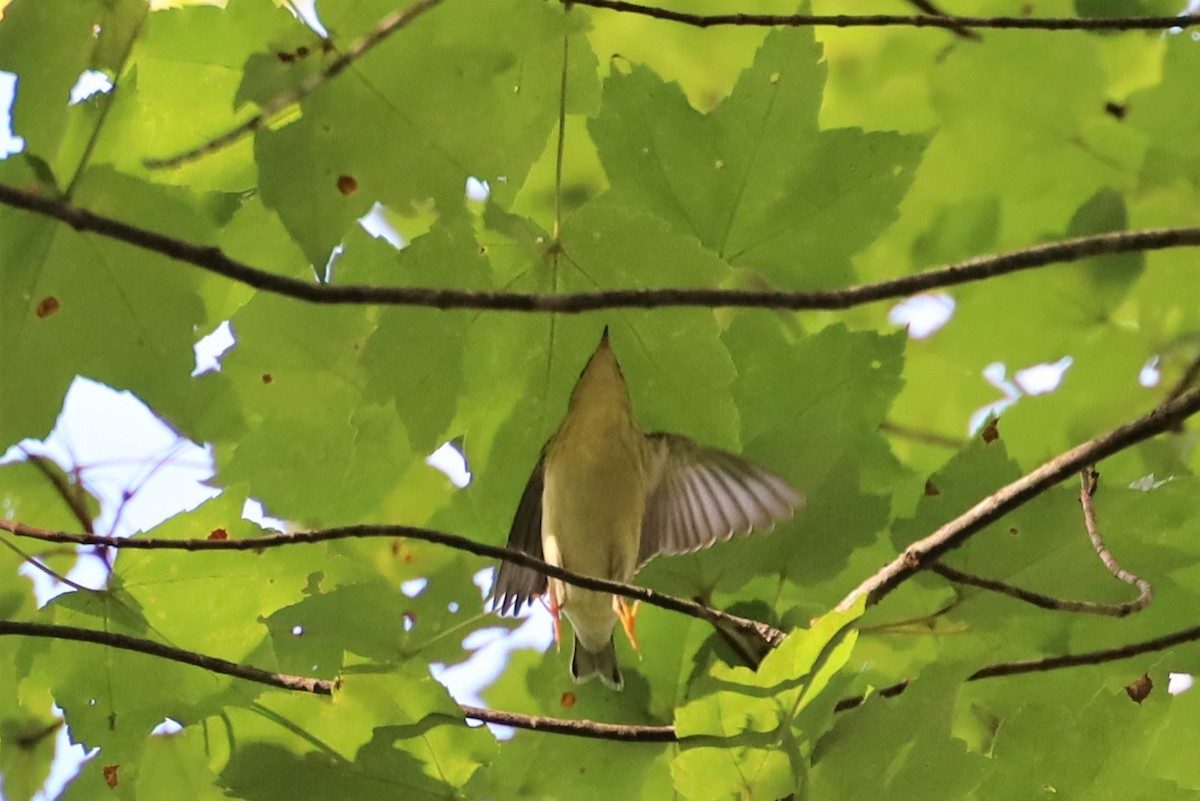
point(605, 498)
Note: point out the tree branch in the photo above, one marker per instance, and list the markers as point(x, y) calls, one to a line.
point(127, 643)
point(382, 30)
point(1047, 664)
point(926, 552)
point(214, 260)
point(891, 20)
point(576, 728)
point(772, 636)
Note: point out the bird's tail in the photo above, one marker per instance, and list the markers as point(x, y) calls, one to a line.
point(585, 665)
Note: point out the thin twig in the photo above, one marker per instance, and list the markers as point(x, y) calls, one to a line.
point(37, 563)
point(924, 553)
point(1089, 480)
point(385, 28)
point(1035, 598)
point(890, 20)
point(768, 634)
point(215, 261)
point(1047, 664)
point(72, 496)
point(1186, 380)
point(929, 8)
point(1120, 652)
point(922, 436)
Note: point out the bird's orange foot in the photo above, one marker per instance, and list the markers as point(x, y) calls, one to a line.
point(627, 614)
point(556, 615)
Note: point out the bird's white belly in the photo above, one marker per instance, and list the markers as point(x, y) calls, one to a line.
point(592, 507)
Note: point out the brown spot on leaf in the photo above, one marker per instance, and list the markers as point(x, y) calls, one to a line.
point(1013, 531)
point(991, 431)
point(931, 490)
point(301, 51)
point(285, 57)
point(218, 534)
point(110, 776)
point(347, 184)
point(267, 378)
point(1140, 689)
point(1118, 110)
point(568, 700)
point(48, 306)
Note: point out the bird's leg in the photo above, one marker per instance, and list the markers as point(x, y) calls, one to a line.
point(627, 614)
point(556, 615)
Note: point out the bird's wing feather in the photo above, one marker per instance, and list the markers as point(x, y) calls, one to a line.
point(700, 495)
point(516, 585)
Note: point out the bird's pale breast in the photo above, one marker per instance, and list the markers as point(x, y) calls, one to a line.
point(592, 508)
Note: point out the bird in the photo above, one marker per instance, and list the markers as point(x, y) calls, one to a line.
point(606, 497)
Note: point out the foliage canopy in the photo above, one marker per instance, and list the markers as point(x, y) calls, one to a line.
point(737, 157)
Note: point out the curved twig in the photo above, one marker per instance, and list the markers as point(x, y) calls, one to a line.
point(892, 20)
point(214, 260)
point(385, 28)
point(1089, 479)
point(769, 634)
point(925, 552)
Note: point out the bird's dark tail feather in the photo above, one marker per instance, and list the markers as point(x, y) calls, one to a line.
point(586, 665)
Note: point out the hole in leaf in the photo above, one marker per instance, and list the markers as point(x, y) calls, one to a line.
point(414, 587)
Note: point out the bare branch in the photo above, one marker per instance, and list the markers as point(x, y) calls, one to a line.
point(924, 553)
point(1036, 598)
point(578, 728)
point(38, 564)
point(1099, 657)
point(768, 634)
point(891, 20)
point(127, 643)
point(1047, 664)
point(215, 261)
point(385, 28)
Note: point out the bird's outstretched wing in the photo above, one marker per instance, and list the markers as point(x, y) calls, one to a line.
point(516, 585)
point(700, 495)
